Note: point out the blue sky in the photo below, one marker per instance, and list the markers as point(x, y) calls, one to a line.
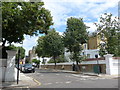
point(89, 10)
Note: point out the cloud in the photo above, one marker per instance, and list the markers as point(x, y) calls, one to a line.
point(92, 26)
point(58, 11)
point(60, 33)
point(90, 10)
point(28, 43)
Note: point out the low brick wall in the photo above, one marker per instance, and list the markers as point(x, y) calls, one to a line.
point(59, 67)
point(88, 68)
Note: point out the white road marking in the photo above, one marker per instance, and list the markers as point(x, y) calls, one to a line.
point(47, 83)
point(82, 79)
point(68, 82)
point(57, 74)
point(58, 82)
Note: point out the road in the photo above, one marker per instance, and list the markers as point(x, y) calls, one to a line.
point(55, 79)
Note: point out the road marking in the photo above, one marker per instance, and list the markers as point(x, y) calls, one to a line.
point(37, 81)
point(47, 83)
point(56, 82)
point(82, 79)
point(68, 82)
point(57, 74)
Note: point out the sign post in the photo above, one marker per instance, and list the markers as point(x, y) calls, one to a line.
point(18, 66)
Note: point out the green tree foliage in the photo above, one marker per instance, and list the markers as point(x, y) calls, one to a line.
point(22, 51)
point(108, 29)
point(19, 18)
point(12, 47)
point(59, 59)
point(53, 44)
point(40, 49)
point(36, 61)
point(74, 37)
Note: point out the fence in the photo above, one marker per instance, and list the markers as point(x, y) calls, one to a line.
point(109, 65)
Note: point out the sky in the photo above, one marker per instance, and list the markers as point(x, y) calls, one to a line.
point(89, 10)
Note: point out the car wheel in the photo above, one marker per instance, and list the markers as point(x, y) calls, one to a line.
point(33, 71)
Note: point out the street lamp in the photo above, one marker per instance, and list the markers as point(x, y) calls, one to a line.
point(96, 56)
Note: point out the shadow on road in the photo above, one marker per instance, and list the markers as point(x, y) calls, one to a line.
point(49, 71)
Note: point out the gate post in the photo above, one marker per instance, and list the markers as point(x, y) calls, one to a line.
point(10, 72)
point(109, 63)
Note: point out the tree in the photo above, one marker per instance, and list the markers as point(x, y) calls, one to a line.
point(40, 48)
point(36, 62)
point(22, 52)
point(53, 45)
point(74, 37)
point(59, 59)
point(19, 18)
point(108, 29)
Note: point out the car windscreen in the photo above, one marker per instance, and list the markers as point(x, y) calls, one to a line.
point(28, 65)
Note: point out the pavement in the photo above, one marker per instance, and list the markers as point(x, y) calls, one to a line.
point(88, 73)
point(24, 82)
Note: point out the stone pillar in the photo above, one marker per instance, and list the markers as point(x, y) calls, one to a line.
point(109, 63)
point(10, 72)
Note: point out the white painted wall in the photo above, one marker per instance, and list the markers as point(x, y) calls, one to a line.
point(67, 55)
point(83, 62)
point(7, 67)
point(112, 65)
point(91, 52)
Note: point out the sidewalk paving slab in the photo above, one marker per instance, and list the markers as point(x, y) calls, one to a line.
point(24, 82)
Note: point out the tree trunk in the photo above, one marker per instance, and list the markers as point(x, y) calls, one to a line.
point(10, 44)
point(46, 32)
point(54, 62)
point(40, 62)
point(77, 66)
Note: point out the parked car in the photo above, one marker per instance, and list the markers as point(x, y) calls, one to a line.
point(34, 64)
point(28, 68)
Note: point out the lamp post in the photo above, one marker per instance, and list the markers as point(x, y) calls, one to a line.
point(96, 56)
point(18, 66)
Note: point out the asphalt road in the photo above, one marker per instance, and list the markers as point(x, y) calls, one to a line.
point(55, 79)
